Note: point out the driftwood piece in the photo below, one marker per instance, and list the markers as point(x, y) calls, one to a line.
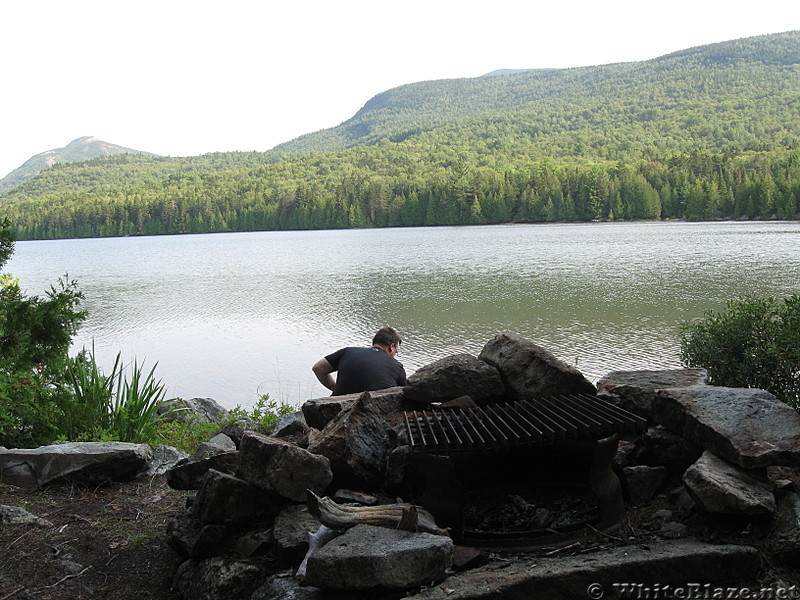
point(403, 516)
point(315, 541)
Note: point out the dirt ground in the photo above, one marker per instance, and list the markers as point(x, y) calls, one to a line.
point(107, 542)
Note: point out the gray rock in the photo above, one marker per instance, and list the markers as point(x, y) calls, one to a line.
point(83, 463)
point(673, 562)
point(784, 539)
point(636, 390)
point(14, 515)
point(217, 578)
point(455, 376)
point(284, 586)
point(642, 482)
point(219, 444)
point(281, 467)
point(747, 427)
point(291, 529)
point(290, 424)
point(225, 499)
point(189, 474)
point(318, 412)
point(367, 557)
point(254, 542)
point(529, 370)
point(721, 488)
point(163, 459)
point(192, 539)
point(357, 443)
point(194, 410)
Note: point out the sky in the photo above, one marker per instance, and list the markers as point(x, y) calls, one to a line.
point(182, 78)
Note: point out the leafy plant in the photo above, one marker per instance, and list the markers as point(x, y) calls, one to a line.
point(182, 435)
point(265, 412)
point(754, 342)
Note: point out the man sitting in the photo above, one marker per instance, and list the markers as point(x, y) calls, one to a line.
point(362, 369)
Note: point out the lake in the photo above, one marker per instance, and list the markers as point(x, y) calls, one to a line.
point(231, 316)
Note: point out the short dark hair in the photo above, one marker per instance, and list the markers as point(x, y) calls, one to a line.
point(386, 336)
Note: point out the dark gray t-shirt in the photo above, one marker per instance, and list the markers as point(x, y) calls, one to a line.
point(365, 369)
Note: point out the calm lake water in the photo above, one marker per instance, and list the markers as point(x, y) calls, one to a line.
point(230, 316)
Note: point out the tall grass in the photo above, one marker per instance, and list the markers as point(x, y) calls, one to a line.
point(113, 406)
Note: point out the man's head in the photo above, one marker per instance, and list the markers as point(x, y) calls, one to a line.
point(388, 340)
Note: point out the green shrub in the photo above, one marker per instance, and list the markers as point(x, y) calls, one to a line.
point(754, 342)
point(29, 410)
point(265, 412)
point(183, 436)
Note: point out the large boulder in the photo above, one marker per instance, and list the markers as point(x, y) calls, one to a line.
point(636, 390)
point(747, 427)
point(529, 370)
point(84, 463)
point(318, 412)
point(721, 488)
point(367, 557)
point(281, 467)
point(453, 377)
point(357, 443)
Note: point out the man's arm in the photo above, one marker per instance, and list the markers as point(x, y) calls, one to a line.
point(323, 369)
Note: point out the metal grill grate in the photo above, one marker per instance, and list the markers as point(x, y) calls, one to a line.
point(529, 422)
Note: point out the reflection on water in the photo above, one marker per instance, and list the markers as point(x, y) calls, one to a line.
point(230, 316)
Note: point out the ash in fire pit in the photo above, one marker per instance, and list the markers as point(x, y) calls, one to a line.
point(554, 509)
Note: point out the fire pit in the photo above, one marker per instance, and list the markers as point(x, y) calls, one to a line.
point(521, 475)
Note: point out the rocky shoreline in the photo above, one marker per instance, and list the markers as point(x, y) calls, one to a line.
point(709, 487)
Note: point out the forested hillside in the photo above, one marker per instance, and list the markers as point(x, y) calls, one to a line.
point(709, 132)
point(81, 149)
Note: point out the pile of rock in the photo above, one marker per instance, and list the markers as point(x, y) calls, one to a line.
point(713, 460)
point(736, 452)
point(249, 521)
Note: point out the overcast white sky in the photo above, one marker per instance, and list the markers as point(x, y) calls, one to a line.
point(185, 77)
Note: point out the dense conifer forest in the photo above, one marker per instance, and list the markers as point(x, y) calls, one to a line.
point(706, 133)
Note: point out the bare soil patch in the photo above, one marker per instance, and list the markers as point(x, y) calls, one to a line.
point(106, 542)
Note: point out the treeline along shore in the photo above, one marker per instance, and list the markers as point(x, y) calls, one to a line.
point(317, 192)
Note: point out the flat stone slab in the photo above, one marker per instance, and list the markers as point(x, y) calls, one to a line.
point(87, 463)
point(367, 557)
point(667, 563)
point(636, 390)
point(747, 427)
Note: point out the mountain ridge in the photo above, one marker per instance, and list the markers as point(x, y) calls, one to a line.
point(80, 149)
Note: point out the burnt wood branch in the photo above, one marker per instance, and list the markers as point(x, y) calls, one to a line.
point(403, 516)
